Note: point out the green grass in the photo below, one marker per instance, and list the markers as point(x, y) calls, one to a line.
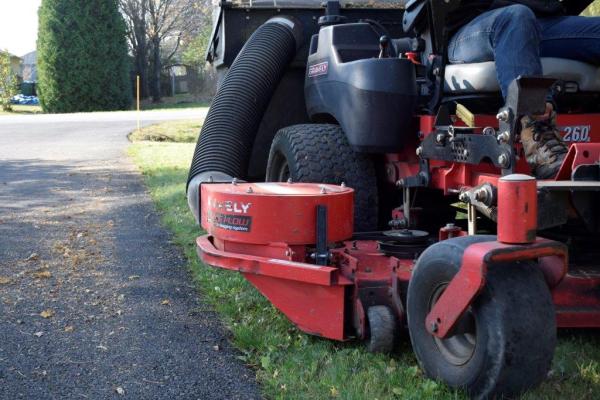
point(170, 131)
point(292, 365)
point(176, 102)
point(22, 109)
point(172, 106)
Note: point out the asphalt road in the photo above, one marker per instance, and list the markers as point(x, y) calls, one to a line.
point(94, 300)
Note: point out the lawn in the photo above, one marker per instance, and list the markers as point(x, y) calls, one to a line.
point(175, 102)
point(292, 365)
point(172, 131)
point(22, 109)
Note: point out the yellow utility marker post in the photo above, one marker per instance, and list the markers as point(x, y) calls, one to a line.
point(137, 80)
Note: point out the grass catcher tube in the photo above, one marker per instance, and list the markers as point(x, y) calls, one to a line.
point(227, 136)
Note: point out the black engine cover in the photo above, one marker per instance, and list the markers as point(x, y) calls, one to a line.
point(373, 99)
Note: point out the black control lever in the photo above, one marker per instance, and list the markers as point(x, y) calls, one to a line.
point(384, 43)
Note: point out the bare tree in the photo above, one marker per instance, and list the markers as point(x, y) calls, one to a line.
point(135, 12)
point(154, 26)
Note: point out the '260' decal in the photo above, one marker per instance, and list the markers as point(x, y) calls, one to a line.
point(577, 133)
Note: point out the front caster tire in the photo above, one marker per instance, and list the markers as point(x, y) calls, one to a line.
point(382, 329)
point(320, 153)
point(504, 344)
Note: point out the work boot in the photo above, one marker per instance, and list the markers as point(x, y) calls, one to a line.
point(543, 144)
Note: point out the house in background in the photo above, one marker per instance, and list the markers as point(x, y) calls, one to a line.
point(15, 63)
point(29, 67)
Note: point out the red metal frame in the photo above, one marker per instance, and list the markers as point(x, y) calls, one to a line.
point(451, 177)
point(331, 301)
point(311, 296)
point(576, 301)
point(470, 279)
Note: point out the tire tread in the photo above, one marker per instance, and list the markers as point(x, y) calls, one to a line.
point(382, 329)
point(322, 154)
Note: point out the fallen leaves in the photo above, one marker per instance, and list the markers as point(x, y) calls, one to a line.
point(334, 391)
point(265, 361)
point(79, 248)
point(69, 328)
point(42, 274)
point(49, 313)
point(33, 257)
point(4, 280)
point(165, 302)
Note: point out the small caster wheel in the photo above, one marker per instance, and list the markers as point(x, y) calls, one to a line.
point(504, 343)
point(382, 329)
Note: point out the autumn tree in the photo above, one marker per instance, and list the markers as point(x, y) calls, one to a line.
point(8, 81)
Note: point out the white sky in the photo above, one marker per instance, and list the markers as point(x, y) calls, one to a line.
point(18, 25)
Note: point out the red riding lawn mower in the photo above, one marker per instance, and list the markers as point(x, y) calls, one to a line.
point(397, 194)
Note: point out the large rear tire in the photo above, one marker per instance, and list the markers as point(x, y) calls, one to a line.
point(320, 153)
point(504, 344)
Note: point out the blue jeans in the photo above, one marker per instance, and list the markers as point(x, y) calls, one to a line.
point(516, 39)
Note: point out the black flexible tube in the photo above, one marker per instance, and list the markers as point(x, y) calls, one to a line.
point(228, 132)
point(225, 143)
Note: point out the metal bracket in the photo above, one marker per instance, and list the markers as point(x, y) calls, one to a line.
point(526, 96)
point(482, 198)
point(322, 252)
point(472, 219)
point(463, 146)
point(470, 279)
point(422, 179)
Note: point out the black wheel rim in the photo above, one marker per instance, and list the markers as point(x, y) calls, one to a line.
point(283, 173)
point(459, 348)
point(280, 170)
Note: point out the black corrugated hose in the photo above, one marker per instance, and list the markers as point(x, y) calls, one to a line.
point(225, 143)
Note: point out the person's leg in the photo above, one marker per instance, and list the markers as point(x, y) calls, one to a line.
point(573, 37)
point(509, 35)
